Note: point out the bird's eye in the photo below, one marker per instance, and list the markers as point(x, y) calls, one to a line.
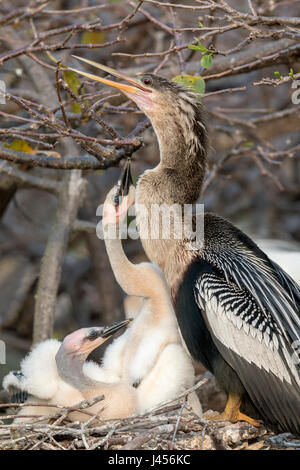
point(93, 334)
point(147, 81)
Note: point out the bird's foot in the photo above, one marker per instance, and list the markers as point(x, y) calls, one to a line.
point(232, 417)
point(232, 411)
point(248, 419)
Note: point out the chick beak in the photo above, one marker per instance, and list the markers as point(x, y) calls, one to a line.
point(112, 329)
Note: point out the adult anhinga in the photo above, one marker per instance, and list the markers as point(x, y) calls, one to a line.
point(237, 310)
point(149, 354)
point(58, 373)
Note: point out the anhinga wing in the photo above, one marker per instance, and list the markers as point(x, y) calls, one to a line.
point(251, 308)
point(273, 290)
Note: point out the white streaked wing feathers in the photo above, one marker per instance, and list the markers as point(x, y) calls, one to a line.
point(243, 339)
point(258, 278)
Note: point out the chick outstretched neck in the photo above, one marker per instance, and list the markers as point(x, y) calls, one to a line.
point(142, 280)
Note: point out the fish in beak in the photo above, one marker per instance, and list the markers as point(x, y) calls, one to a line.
point(133, 89)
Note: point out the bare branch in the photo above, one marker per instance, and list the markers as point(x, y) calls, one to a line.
point(69, 201)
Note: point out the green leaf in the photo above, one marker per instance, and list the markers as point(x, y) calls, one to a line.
point(93, 37)
point(206, 61)
point(291, 74)
point(193, 47)
point(198, 47)
point(74, 83)
point(200, 24)
point(20, 146)
point(196, 83)
point(248, 144)
point(72, 80)
point(277, 75)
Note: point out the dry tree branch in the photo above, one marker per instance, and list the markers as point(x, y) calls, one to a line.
point(69, 201)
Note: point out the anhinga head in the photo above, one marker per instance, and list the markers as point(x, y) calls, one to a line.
point(75, 349)
point(174, 110)
point(83, 341)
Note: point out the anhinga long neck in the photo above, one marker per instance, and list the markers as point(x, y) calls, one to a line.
point(182, 143)
point(176, 180)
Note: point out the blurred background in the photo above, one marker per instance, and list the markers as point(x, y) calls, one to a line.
point(244, 64)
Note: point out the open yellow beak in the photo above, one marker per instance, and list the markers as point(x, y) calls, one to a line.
point(133, 88)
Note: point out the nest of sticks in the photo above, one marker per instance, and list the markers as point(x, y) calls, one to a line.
point(172, 426)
